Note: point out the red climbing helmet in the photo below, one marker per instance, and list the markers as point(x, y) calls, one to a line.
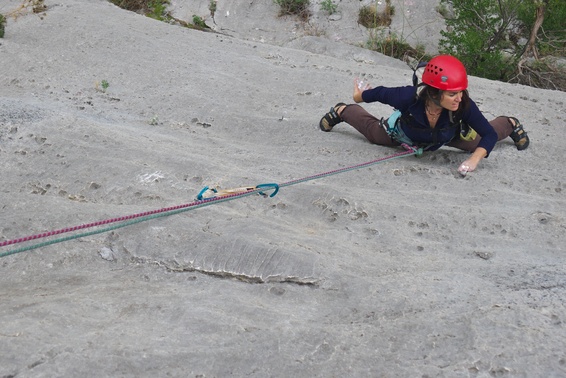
point(446, 73)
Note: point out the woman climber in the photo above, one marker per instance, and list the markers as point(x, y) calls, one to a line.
point(437, 112)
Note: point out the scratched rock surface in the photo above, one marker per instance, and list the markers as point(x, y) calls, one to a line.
point(224, 250)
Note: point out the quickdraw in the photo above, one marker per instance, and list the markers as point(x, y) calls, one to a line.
point(209, 193)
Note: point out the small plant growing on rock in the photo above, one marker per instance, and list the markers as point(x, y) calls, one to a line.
point(104, 84)
point(391, 45)
point(101, 86)
point(371, 18)
point(156, 9)
point(154, 121)
point(2, 25)
point(36, 6)
point(313, 30)
point(294, 7)
point(199, 22)
point(212, 8)
point(329, 6)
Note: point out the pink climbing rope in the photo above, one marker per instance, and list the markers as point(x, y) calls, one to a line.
point(408, 151)
point(113, 220)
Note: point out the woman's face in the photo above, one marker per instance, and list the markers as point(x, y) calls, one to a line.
point(451, 100)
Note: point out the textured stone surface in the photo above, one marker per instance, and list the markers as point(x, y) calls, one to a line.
point(402, 269)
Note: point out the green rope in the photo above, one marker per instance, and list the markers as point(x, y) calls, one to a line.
point(123, 224)
point(410, 152)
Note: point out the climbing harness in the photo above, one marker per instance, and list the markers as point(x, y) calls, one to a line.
point(205, 197)
point(394, 130)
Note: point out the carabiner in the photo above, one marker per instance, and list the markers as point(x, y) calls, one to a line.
point(269, 186)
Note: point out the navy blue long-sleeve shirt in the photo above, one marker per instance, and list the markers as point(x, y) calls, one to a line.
point(419, 130)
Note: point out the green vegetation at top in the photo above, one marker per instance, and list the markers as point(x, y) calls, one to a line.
point(517, 41)
point(157, 9)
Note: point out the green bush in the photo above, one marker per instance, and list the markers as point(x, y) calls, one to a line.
point(553, 40)
point(479, 41)
point(485, 35)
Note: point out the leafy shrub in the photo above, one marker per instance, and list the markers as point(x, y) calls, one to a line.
point(476, 40)
point(486, 36)
point(552, 41)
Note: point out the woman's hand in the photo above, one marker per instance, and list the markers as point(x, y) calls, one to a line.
point(359, 87)
point(470, 164)
point(467, 166)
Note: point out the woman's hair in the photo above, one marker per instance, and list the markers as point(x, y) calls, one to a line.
point(434, 94)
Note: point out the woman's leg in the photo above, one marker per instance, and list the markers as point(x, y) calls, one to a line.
point(368, 125)
point(502, 127)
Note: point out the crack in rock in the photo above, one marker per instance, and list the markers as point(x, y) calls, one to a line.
point(175, 266)
point(251, 260)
